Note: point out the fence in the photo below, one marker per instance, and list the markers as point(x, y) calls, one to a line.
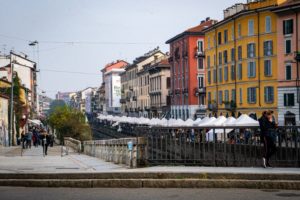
point(70, 142)
point(218, 146)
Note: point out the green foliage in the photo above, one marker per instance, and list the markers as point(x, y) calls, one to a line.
point(55, 104)
point(69, 123)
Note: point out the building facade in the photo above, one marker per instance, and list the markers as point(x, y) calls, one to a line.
point(135, 85)
point(241, 55)
point(160, 84)
point(187, 61)
point(288, 56)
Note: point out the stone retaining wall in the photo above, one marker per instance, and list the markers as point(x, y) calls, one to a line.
point(116, 151)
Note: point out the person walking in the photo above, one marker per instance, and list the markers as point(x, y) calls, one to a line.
point(268, 136)
point(28, 137)
point(46, 140)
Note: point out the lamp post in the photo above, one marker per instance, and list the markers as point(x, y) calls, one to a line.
point(10, 135)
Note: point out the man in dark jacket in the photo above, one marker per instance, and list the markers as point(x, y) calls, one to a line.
point(46, 140)
point(268, 129)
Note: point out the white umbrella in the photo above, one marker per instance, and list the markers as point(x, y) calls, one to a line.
point(245, 120)
point(207, 121)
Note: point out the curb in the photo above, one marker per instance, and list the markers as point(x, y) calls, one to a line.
point(153, 183)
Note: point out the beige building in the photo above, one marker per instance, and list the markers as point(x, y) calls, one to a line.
point(135, 85)
point(160, 83)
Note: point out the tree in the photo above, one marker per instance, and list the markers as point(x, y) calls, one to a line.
point(55, 104)
point(69, 123)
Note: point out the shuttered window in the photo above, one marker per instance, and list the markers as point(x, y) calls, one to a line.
point(251, 95)
point(268, 48)
point(269, 94)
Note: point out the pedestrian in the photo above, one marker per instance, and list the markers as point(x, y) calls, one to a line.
point(35, 137)
point(268, 136)
point(46, 140)
point(28, 138)
point(23, 139)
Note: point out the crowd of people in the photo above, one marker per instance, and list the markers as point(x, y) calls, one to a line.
point(36, 135)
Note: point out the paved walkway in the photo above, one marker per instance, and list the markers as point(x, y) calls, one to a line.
point(33, 161)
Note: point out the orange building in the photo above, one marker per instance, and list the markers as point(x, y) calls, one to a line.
point(188, 72)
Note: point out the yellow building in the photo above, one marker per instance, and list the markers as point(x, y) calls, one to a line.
point(241, 60)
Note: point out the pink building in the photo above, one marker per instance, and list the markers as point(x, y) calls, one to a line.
point(288, 35)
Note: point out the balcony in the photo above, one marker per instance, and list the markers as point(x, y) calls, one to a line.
point(199, 91)
point(128, 99)
point(212, 106)
point(122, 101)
point(177, 91)
point(199, 54)
point(230, 105)
point(297, 56)
point(134, 98)
point(185, 91)
point(170, 93)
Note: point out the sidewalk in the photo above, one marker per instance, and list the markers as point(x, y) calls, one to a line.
point(33, 161)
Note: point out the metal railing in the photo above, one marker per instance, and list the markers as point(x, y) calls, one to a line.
point(219, 146)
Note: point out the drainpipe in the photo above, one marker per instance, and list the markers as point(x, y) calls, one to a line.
point(258, 58)
point(216, 65)
point(297, 63)
point(235, 61)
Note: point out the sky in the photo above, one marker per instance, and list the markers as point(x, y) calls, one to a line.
point(77, 38)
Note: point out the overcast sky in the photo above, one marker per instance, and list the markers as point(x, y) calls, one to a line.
point(84, 35)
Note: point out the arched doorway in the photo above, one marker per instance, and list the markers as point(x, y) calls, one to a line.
point(289, 118)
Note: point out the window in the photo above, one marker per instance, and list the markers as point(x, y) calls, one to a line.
point(251, 69)
point(268, 68)
point(168, 82)
point(232, 55)
point(288, 26)
point(200, 63)
point(288, 72)
point(220, 75)
point(268, 48)
point(233, 95)
point(220, 58)
point(225, 36)
point(289, 99)
point(219, 38)
point(239, 30)
point(215, 76)
point(200, 81)
point(232, 33)
point(220, 97)
point(233, 72)
point(288, 46)
point(268, 24)
point(209, 77)
point(251, 95)
point(209, 97)
point(240, 53)
point(208, 42)
point(226, 73)
point(240, 71)
point(251, 50)
point(251, 27)
point(208, 61)
point(200, 45)
point(226, 95)
point(269, 94)
point(225, 55)
point(241, 95)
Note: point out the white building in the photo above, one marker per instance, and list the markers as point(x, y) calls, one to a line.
point(112, 81)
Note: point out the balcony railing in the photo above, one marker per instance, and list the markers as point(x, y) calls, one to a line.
point(177, 91)
point(212, 107)
point(170, 92)
point(134, 98)
point(297, 56)
point(199, 54)
point(230, 105)
point(122, 101)
point(198, 91)
point(127, 98)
